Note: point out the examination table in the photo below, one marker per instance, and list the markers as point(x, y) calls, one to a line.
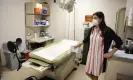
point(58, 67)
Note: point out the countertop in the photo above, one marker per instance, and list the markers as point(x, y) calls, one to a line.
point(39, 40)
point(121, 55)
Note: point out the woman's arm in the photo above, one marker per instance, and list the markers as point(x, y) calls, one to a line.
point(83, 42)
point(114, 50)
point(78, 45)
point(111, 53)
point(86, 39)
point(118, 43)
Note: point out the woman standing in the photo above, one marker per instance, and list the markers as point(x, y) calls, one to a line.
point(99, 38)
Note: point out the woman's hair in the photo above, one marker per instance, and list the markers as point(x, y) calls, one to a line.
point(102, 24)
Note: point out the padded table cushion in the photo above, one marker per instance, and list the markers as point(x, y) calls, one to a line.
point(57, 61)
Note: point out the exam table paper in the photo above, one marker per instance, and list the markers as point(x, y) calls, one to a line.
point(54, 51)
point(74, 50)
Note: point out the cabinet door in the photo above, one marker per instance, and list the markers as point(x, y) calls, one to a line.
point(30, 19)
point(29, 7)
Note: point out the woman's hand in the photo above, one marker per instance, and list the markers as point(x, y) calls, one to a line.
point(108, 55)
point(78, 45)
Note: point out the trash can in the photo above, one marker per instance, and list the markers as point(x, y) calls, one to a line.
point(11, 61)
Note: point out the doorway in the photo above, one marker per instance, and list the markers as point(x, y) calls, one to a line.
point(120, 18)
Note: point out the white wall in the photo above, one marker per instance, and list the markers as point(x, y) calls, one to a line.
point(128, 5)
point(0, 23)
point(129, 29)
point(59, 18)
point(12, 20)
point(58, 21)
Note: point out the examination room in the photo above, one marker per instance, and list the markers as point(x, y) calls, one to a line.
point(66, 39)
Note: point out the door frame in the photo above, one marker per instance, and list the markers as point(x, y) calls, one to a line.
point(117, 17)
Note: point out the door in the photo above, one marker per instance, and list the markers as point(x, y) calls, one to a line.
point(120, 17)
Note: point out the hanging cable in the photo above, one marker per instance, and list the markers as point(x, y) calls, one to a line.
point(68, 25)
point(74, 22)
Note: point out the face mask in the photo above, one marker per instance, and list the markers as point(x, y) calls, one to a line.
point(95, 22)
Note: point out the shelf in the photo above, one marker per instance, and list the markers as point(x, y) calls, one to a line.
point(37, 14)
point(39, 26)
